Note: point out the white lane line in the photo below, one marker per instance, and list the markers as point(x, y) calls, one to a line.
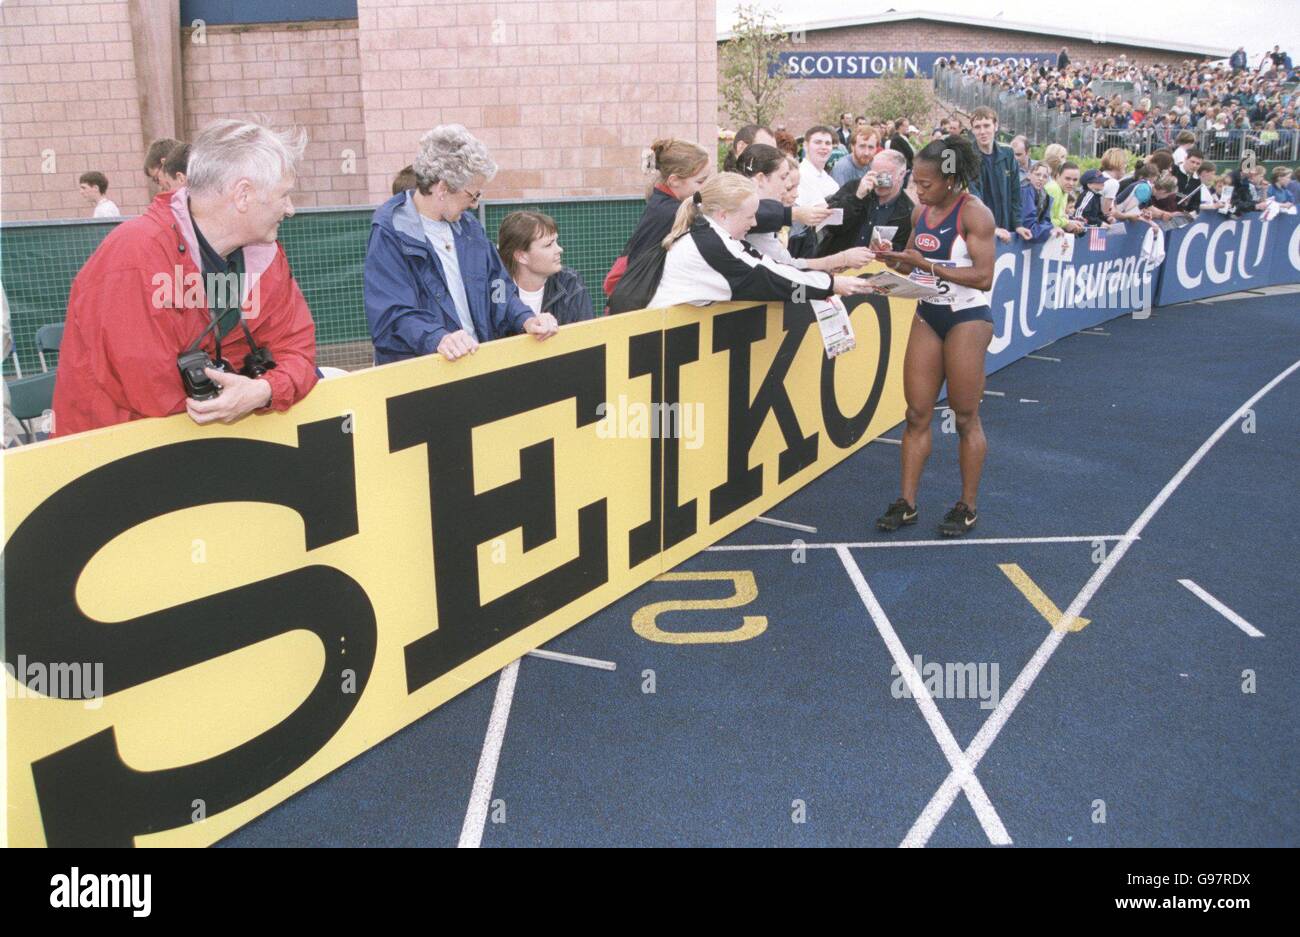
point(471, 833)
point(1089, 332)
point(979, 800)
point(950, 542)
point(893, 442)
point(775, 523)
point(1027, 400)
point(1043, 358)
point(1222, 609)
point(574, 659)
point(943, 798)
point(994, 393)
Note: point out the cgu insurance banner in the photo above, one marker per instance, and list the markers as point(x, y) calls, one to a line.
point(1216, 255)
point(1038, 297)
point(201, 621)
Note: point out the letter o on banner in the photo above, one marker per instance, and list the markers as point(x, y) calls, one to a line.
point(1293, 249)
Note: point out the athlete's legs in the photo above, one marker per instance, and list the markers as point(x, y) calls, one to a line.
point(923, 368)
point(963, 357)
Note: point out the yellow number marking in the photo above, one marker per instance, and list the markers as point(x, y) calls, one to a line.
point(643, 621)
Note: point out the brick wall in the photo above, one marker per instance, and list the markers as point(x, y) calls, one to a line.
point(565, 94)
point(68, 104)
point(306, 75)
point(808, 97)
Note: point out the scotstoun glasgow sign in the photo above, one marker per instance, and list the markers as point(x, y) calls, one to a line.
point(879, 64)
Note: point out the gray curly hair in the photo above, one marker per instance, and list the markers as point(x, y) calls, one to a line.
point(449, 153)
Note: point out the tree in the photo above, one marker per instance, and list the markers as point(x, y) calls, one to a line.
point(837, 103)
point(895, 95)
point(753, 85)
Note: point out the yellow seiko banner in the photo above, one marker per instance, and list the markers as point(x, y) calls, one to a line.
point(201, 621)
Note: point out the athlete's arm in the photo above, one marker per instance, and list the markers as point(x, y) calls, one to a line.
point(978, 222)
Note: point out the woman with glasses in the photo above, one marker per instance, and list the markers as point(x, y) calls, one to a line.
point(432, 279)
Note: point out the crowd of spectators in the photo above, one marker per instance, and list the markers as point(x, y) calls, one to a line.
point(1227, 106)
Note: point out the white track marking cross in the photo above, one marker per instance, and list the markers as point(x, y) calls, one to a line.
point(961, 767)
point(943, 798)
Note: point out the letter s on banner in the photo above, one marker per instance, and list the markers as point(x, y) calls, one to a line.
point(89, 794)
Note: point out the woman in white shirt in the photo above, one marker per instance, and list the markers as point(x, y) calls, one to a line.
point(709, 261)
point(770, 170)
point(816, 185)
point(1114, 163)
point(529, 245)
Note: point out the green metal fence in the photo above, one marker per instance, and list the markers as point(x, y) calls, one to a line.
point(326, 249)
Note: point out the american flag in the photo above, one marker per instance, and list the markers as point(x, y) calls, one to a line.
point(1097, 239)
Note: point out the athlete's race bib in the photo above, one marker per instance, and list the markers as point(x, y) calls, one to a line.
point(921, 277)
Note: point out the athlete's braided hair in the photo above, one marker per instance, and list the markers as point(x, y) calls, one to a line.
point(956, 158)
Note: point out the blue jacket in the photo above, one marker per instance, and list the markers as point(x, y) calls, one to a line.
point(1004, 200)
point(407, 302)
point(565, 296)
point(1037, 221)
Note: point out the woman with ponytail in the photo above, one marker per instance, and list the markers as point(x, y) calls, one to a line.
point(682, 167)
point(951, 248)
point(709, 261)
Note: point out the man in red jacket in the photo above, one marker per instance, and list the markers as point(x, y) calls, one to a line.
point(200, 268)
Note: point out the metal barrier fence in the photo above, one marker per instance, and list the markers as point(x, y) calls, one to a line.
point(326, 249)
point(1042, 124)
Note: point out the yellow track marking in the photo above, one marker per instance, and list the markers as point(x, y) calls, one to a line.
point(1039, 600)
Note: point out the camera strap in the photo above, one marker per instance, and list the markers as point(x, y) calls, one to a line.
point(214, 321)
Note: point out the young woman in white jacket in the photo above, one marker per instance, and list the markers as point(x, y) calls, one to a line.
point(709, 261)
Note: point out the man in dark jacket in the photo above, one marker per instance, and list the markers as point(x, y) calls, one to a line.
point(877, 199)
point(998, 185)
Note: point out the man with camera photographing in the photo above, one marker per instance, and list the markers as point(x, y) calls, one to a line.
point(877, 200)
point(191, 307)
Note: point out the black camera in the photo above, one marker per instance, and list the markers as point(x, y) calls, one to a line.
point(198, 386)
point(258, 362)
point(192, 361)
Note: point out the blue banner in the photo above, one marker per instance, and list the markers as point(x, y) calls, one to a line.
point(879, 64)
point(1286, 250)
point(1217, 255)
point(1038, 300)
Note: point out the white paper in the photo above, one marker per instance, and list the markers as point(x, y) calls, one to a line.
point(895, 284)
point(1060, 247)
point(883, 234)
point(836, 329)
point(836, 217)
